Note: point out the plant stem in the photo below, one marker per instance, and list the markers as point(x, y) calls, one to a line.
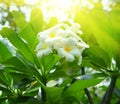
point(86, 90)
point(43, 84)
point(43, 93)
point(108, 95)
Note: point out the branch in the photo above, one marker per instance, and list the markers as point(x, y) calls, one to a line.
point(86, 90)
point(108, 95)
point(43, 93)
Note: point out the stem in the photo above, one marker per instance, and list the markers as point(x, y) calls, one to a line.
point(108, 95)
point(43, 84)
point(88, 95)
point(86, 90)
point(43, 93)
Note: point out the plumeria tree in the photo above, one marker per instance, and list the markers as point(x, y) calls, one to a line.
point(72, 60)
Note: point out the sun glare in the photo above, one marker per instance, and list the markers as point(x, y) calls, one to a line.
point(62, 9)
point(31, 2)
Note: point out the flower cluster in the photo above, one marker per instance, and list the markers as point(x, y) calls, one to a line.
point(64, 40)
point(107, 4)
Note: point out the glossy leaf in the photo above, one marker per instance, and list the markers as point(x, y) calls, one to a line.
point(99, 57)
point(37, 26)
point(18, 43)
point(49, 61)
point(115, 18)
point(99, 27)
point(4, 52)
point(16, 64)
point(53, 94)
point(26, 30)
point(2, 99)
point(80, 85)
point(3, 79)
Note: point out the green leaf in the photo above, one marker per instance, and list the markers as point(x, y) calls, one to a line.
point(97, 24)
point(3, 79)
point(24, 100)
point(32, 70)
point(53, 21)
point(117, 58)
point(49, 61)
point(53, 94)
point(18, 43)
point(36, 20)
point(57, 74)
point(26, 30)
point(99, 57)
point(4, 88)
point(20, 20)
point(76, 88)
point(16, 64)
point(23, 84)
point(33, 89)
point(4, 52)
point(115, 18)
point(17, 76)
point(2, 99)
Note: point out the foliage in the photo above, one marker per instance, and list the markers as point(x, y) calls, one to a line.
point(24, 77)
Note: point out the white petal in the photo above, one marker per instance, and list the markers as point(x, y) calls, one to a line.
point(61, 52)
point(80, 60)
point(51, 83)
point(82, 44)
point(47, 51)
point(69, 57)
point(76, 52)
point(40, 53)
point(76, 28)
point(38, 47)
point(71, 41)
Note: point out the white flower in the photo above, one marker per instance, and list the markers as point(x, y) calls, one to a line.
point(107, 4)
point(76, 28)
point(64, 39)
point(68, 49)
point(100, 92)
point(43, 49)
point(54, 36)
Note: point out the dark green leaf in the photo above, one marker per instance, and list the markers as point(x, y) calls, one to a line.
point(53, 94)
point(49, 61)
point(80, 85)
point(4, 79)
point(18, 43)
point(4, 52)
point(2, 99)
point(33, 89)
point(16, 64)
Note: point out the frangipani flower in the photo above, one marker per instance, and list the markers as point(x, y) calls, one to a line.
point(76, 28)
point(68, 49)
point(64, 39)
point(43, 49)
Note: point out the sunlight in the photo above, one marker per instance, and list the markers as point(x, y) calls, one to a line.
point(31, 2)
point(62, 9)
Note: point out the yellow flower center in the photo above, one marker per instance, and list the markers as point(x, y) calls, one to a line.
point(45, 46)
point(67, 49)
point(52, 35)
